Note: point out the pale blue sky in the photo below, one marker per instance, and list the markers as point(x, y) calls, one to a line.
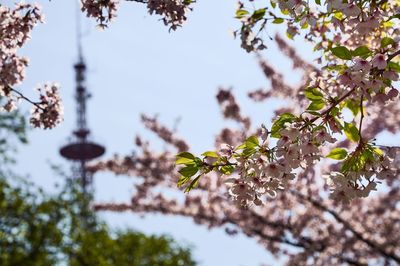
point(136, 67)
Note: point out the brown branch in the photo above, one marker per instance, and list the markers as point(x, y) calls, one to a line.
point(347, 225)
point(138, 1)
point(361, 120)
point(329, 109)
point(307, 244)
point(37, 104)
point(390, 57)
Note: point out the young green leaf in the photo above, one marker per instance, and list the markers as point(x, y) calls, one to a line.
point(182, 180)
point(342, 52)
point(193, 184)
point(240, 13)
point(362, 51)
point(316, 105)
point(337, 154)
point(189, 171)
point(185, 158)
point(394, 66)
point(313, 94)
point(241, 147)
point(378, 151)
point(251, 142)
point(258, 14)
point(248, 152)
point(278, 21)
point(211, 154)
point(386, 41)
point(353, 106)
point(280, 122)
point(351, 132)
point(227, 169)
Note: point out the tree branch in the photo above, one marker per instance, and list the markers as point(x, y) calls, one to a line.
point(390, 57)
point(37, 104)
point(347, 225)
point(329, 109)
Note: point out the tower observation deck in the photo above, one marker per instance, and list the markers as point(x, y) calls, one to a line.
point(81, 150)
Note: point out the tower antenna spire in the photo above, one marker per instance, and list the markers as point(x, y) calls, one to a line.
point(79, 31)
point(81, 150)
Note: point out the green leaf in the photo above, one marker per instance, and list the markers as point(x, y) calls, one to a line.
point(356, 162)
point(304, 26)
point(193, 184)
point(337, 154)
point(185, 158)
point(387, 24)
point(251, 142)
point(182, 180)
point(386, 41)
point(240, 13)
point(189, 171)
point(338, 15)
point(314, 113)
point(378, 151)
point(290, 36)
point(211, 154)
point(285, 11)
point(258, 14)
point(394, 66)
point(279, 123)
point(278, 21)
point(362, 51)
point(318, 2)
point(342, 52)
point(248, 152)
point(339, 68)
point(353, 106)
point(316, 105)
point(241, 147)
point(351, 132)
point(394, 16)
point(334, 111)
point(227, 169)
point(313, 94)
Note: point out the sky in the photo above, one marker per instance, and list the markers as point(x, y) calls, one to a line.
point(137, 66)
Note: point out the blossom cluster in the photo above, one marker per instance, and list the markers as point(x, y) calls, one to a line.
point(269, 170)
point(359, 46)
point(300, 140)
point(173, 12)
point(301, 225)
point(104, 11)
point(49, 111)
point(16, 25)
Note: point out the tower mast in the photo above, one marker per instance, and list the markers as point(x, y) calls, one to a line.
point(81, 150)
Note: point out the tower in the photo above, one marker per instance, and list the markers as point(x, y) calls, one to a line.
point(81, 149)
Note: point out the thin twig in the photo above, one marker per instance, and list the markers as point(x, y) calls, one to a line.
point(390, 57)
point(361, 119)
point(329, 109)
point(373, 245)
point(37, 104)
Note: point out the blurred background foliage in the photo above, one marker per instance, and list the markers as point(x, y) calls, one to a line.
point(60, 229)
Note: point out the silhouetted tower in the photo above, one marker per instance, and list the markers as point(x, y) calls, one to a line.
point(81, 150)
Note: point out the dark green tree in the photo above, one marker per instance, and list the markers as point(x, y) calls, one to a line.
point(40, 229)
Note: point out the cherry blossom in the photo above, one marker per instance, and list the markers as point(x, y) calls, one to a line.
point(300, 217)
point(49, 111)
